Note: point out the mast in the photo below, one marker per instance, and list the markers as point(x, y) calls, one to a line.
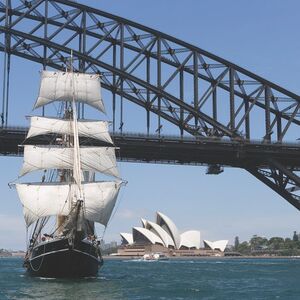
point(77, 164)
point(64, 175)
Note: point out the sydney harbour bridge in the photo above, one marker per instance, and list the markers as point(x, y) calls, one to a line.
point(219, 113)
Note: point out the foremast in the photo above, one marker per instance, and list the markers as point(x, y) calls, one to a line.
point(77, 163)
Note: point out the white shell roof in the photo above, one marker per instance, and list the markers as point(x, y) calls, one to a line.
point(144, 222)
point(165, 237)
point(128, 237)
point(190, 239)
point(217, 244)
point(161, 220)
point(152, 237)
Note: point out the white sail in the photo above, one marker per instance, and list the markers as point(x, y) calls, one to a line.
point(86, 128)
point(99, 200)
point(101, 159)
point(42, 200)
point(57, 86)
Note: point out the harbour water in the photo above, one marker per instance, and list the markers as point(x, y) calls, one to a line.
point(173, 279)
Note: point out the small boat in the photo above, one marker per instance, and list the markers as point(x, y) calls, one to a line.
point(156, 256)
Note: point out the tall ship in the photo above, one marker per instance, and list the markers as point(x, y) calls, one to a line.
point(68, 199)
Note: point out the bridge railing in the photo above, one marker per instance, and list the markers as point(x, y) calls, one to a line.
point(177, 138)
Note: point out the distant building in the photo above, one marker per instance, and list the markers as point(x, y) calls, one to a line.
point(113, 244)
point(163, 235)
point(5, 253)
point(106, 246)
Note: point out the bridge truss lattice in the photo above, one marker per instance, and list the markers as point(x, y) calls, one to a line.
point(198, 93)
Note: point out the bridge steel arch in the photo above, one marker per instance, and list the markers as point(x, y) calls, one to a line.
point(202, 95)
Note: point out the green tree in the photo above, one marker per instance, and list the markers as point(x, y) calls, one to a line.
point(295, 237)
point(244, 248)
point(257, 241)
point(276, 243)
point(236, 242)
point(289, 244)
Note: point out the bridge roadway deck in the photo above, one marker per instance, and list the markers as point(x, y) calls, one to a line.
point(173, 149)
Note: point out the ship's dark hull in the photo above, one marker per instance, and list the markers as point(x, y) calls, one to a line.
point(58, 259)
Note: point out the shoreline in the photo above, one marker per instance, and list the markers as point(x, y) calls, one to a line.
point(119, 257)
point(113, 257)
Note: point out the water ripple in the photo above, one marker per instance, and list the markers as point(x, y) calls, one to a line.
point(173, 279)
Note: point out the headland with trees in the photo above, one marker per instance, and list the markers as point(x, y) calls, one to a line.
point(274, 246)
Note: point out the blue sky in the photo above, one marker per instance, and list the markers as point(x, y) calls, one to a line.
point(261, 36)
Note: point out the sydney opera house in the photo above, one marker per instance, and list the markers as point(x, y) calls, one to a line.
point(164, 236)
